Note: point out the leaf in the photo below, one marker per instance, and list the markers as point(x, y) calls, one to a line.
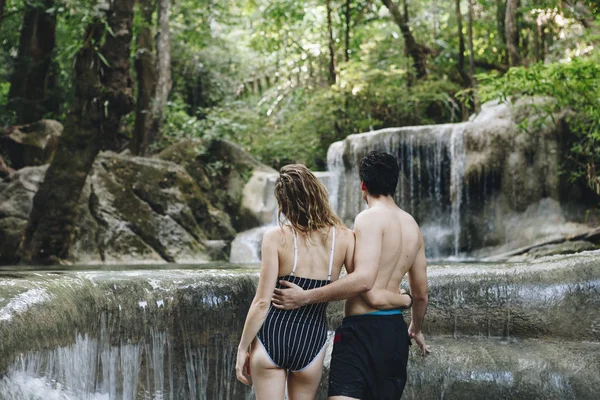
point(103, 59)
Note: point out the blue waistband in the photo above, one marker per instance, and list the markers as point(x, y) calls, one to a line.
point(385, 312)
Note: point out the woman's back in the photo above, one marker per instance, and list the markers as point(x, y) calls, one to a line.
point(314, 252)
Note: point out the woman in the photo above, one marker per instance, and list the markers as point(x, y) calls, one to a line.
point(309, 250)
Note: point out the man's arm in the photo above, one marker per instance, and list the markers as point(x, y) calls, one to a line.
point(369, 236)
point(417, 280)
point(383, 299)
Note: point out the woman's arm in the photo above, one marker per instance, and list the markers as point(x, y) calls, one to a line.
point(262, 300)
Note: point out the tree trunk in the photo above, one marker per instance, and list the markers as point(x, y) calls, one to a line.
point(2, 6)
point(347, 21)
point(103, 93)
point(417, 51)
point(538, 42)
point(461, 47)
point(512, 34)
point(471, 51)
point(501, 34)
point(31, 81)
point(472, 57)
point(163, 69)
point(332, 74)
point(145, 67)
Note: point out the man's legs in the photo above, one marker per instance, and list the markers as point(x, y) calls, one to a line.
point(347, 372)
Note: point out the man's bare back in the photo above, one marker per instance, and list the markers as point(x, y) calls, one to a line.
point(399, 239)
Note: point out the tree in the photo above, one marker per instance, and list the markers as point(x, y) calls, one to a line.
point(163, 68)
point(461, 47)
point(501, 28)
point(347, 27)
point(332, 73)
point(104, 93)
point(470, 35)
point(512, 33)
point(2, 5)
point(146, 71)
point(418, 52)
point(31, 80)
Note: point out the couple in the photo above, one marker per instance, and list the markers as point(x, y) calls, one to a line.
point(285, 331)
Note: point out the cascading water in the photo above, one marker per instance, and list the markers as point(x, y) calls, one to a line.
point(430, 187)
point(152, 335)
point(498, 331)
point(457, 149)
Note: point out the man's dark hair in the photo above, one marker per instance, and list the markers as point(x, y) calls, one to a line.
point(379, 171)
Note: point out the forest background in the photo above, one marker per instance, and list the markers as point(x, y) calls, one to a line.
point(286, 78)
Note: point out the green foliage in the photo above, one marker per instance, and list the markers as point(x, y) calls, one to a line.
point(299, 125)
point(572, 86)
point(256, 71)
point(6, 117)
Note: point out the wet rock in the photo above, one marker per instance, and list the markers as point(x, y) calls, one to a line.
point(132, 210)
point(228, 175)
point(31, 144)
point(561, 248)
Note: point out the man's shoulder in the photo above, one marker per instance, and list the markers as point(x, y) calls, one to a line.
point(368, 216)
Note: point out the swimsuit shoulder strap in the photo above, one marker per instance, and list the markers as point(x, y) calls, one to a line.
point(295, 252)
point(332, 253)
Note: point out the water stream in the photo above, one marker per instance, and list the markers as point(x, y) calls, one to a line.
point(517, 331)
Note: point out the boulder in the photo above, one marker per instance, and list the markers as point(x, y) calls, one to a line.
point(228, 175)
point(16, 198)
point(32, 144)
point(132, 210)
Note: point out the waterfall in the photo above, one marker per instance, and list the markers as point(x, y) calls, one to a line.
point(457, 182)
point(129, 335)
point(431, 183)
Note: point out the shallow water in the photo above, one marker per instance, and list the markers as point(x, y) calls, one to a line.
point(522, 331)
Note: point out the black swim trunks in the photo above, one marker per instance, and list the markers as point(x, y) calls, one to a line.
point(369, 358)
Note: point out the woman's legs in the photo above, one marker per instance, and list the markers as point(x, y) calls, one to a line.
point(304, 384)
point(268, 380)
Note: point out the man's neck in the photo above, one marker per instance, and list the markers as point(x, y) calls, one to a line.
point(386, 201)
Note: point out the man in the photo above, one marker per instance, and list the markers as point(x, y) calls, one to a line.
point(370, 351)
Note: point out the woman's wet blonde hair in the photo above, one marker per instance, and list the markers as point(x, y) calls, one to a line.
point(303, 200)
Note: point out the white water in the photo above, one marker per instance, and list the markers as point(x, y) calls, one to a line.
point(93, 369)
point(431, 183)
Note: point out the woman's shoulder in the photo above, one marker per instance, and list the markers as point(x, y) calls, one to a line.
point(273, 232)
point(344, 233)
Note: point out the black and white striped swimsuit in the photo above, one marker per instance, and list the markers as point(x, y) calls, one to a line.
point(294, 338)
